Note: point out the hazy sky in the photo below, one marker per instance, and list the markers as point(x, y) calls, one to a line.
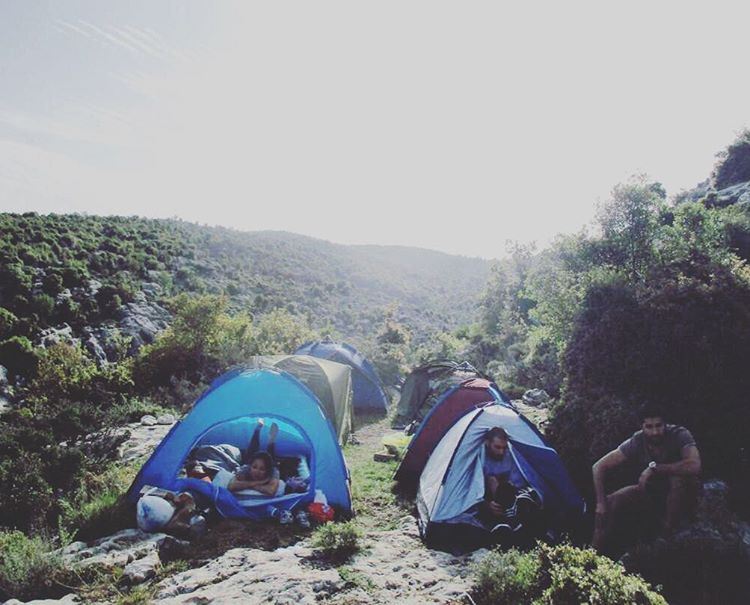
point(453, 126)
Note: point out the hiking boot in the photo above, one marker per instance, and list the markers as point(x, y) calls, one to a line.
point(285, 517)
point(302, 519)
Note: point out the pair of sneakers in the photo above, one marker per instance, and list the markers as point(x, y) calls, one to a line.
point(286, 518)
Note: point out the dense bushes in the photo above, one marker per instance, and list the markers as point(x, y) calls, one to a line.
point(204, 340)
point(18, 355)
point(27, 568)
point(734, 163)
point(561, 575)
point(60, 432)
point(681, 342)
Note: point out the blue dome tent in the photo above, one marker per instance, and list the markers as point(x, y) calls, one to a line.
point(368, 391)
point(227, 413)
point(452, 482)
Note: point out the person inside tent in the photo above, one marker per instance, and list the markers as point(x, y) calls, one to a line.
point(259, 472)
point(511, 505)
point(258, 476)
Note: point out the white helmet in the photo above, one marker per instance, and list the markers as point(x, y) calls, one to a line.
point(153, 513)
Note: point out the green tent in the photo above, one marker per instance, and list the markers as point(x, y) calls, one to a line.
point(329, 381)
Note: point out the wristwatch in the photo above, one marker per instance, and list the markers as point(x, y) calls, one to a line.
point(652, 465)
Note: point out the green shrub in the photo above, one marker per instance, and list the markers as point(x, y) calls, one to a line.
point(560, 575)
point(680, 342)
point(17, 354)
point(506, 577)
point(26, 496)
point(28, 568)
point(52, 283)
point(734, 163)
point(97, 507)
point(43, 305)
point(337, 541)
point(8, 322)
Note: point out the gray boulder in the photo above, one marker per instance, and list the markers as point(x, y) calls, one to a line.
point(166, 419)
point(152, 290)
point(736, 194)
point(536, 397)
point(142, 322)
point(55, 335)
point(103, 342)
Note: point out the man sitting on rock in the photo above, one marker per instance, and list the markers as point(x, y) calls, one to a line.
point(669, 463)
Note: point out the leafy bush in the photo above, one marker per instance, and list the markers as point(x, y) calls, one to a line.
point(97, 507)
point(622, 354)
point(337, 541)
point(28, 568)
point(560, 575)
point(734, 163)
point(17, 354)
point(8, 322)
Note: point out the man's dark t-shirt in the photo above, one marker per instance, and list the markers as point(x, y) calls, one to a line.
point(637, 451)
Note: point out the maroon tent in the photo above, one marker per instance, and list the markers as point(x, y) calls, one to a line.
point(457, 401)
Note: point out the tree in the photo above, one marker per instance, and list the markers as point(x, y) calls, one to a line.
point(629, 221)
point(733, 165)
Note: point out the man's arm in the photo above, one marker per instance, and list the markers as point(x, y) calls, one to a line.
point(600, 469)
point(689, 465)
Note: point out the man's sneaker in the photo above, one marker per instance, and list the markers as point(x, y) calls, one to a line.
point(302, 519)
point(285, 517)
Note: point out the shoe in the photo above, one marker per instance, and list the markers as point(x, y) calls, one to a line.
point(285, 517)
point(302, 519)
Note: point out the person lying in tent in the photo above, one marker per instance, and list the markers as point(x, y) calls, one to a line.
point(258, 476)
point(667, 464)
point(258, 472)
point(511, 505)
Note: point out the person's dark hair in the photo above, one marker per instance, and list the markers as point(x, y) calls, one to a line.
point(651, 410)
point(496, 432)
point(266, 457)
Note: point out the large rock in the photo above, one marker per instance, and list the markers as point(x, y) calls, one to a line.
point(142, 321)
point(55, 335)
point(536, 398)
point(141, 440)
point(119, 550)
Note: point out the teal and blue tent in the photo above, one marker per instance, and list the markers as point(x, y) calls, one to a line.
point(226, 414)
point(452, 482)
point(369, 394)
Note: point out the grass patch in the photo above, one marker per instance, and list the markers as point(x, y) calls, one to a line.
point(337, 541)
point(355, 579)
point(376, 503)
point(107, 585)
point(28, 568)
point(97, 508)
